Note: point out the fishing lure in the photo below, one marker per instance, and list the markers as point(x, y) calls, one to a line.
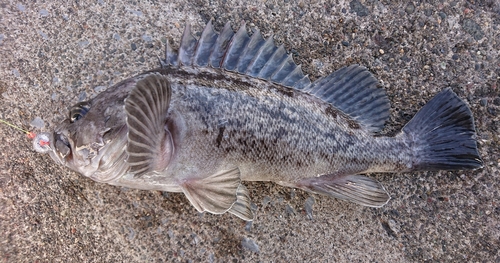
point(41, 142)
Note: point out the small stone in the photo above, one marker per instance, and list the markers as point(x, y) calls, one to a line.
point(248, 226)
point(266, 201)
point(131, 233)
point(249, 244)
point(394, 226)
point(99, 88)
point(83, 43)
point(381, 51)
point(410, 8)
point(358, 8)
point(147, 38)
point(82, 96)
point(44, 36)
point(470, 26)
point(37, 122)
point(21, 7)
point(136, 12)
point(289, 210)
point(133, 46)
point(484, 102)
point(309, 207)
point(345, 43)
point(44, 13)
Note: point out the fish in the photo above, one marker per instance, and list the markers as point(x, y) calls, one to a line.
point(231, 107)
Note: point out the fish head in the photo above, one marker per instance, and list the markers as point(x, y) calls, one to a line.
point(92, 140)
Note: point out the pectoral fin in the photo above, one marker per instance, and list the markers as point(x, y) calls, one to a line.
point(216, 193)
point(150, 144)
point(355, 188)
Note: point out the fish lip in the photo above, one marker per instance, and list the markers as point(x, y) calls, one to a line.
point(61, 147)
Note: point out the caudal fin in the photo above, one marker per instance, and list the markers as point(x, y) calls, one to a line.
point(443, 135)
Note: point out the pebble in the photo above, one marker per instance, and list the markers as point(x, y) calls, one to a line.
point(470, 26)
point(248, 226)
point(266, 200)
point(21, 7)
point(357, 7)
point(410, 8)
point(44, 13)
point(394, 226)
point(136, 12)
point(82, 96)
point(83, 43)
point(309, 206)
point(131, 233)
point(249, 244)
point(37, 122)
point(289, 210)
point(99, 88)
point(16, 73)
point(147, 38)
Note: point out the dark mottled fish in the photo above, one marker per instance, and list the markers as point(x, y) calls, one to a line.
point(232, 107)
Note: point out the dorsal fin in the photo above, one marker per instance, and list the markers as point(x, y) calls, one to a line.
point(353, 89)
point(237, 52)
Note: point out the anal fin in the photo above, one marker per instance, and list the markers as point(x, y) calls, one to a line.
point(355, 188)
point(241, 208)
point(216, 193)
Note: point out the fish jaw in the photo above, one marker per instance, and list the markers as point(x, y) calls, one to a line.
point(102, 161)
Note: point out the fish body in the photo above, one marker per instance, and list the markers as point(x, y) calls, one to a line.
point(229, 108)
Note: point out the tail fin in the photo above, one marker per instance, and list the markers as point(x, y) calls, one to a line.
point(443, 135)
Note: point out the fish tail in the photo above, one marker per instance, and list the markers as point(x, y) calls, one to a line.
point(442, 135)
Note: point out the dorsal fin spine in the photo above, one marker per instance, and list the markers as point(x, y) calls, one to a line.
point(238, 44)
point(261, 57)
point(254, 43)
point(293, 76)
point(279, 75)
point(221, 45)
point(205, 43)
point(274, 61)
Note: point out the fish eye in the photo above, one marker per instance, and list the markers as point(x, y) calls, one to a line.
point(78, 111)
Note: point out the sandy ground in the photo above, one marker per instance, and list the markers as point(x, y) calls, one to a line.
point(53, 54)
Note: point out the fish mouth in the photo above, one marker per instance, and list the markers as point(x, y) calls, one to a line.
point(61, 148)
point(104, 163)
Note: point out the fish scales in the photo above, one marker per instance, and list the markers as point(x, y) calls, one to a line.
point(273, 136)
point(230, 107)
